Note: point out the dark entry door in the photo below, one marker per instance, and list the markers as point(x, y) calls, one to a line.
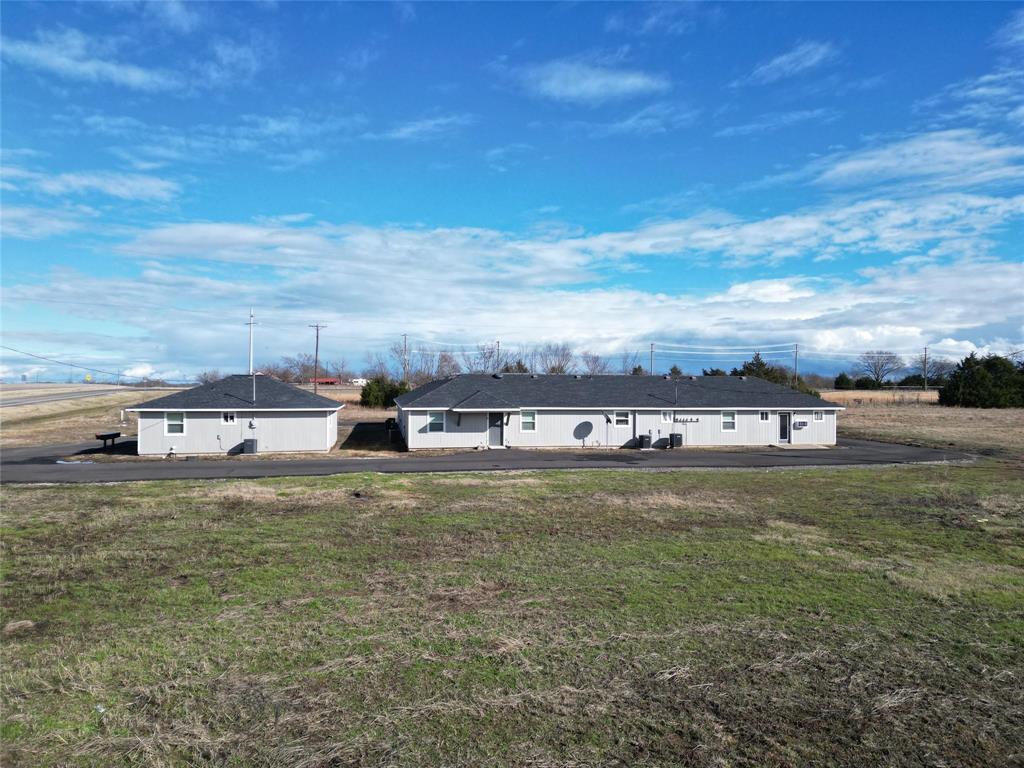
point(784, 426)
point(495, 429)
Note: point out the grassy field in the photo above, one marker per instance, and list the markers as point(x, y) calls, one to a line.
point(856, 397)
point(989, 431)
point(840, 617)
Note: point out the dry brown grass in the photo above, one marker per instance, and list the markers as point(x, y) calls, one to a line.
point(68, 421)
point(855, 397)
point(989, 431)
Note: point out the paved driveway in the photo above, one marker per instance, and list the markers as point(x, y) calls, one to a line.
point(39, 464)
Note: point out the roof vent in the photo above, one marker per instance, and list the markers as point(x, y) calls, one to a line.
point(743, 378)
point(498, 375)
point(577, 376)
point(666, 377)
point(533, 375)
point(693, 378)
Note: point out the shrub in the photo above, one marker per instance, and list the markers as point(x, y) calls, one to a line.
point(984, 382)
point(866, 382)
point(843, 381)
point(380, 392)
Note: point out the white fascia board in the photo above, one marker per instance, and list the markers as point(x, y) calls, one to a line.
point(653, 409)
point(482, 410)
point(236, 409)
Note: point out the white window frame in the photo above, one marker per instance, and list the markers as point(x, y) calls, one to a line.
point(615, 418)
point(819, 415)
point(444, 421)
point(523, 421)
point(764, 416)
point(227, 417)
point(727, 421)
point(671, 417)
point(168, 422)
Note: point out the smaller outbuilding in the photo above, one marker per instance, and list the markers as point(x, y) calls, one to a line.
point(238, 414)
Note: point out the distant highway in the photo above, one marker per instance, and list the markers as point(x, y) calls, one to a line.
point(51, 398)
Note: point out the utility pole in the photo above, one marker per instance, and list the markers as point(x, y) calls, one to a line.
point(796, 364)
point(497, 356)
point(251, 323)
point(925, 367)
point(405, 358)
point(316, 356)
point(651, 371)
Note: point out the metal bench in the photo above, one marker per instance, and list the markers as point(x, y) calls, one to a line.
point(111, 436)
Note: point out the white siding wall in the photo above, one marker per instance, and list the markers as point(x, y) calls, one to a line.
point(470, 432)
point(556, 428)
point(274, 432)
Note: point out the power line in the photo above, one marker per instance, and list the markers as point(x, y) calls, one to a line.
point(717, 346)
point(70, 365)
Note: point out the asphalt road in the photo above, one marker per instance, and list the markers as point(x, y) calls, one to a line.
point(39, 464)
point(41, 398)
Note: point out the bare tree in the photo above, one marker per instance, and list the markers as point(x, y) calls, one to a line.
point(594, 364)
point(879, 365)
point(208, 377)
point(337, 369)
point(485, 358)
point(938, 367)
point(629, 362)
point(376, 367)
point(555, 358)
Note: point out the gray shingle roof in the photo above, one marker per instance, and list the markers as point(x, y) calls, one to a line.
point(521, 390)
point(235, 393)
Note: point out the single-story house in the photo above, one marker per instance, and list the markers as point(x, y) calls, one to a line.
point(222, 417)
point(531, 410)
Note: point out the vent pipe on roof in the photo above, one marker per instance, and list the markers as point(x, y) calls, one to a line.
point(693, 378)
point(533, 375)
point(497, 375)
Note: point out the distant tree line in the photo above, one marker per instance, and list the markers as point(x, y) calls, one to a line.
point(876, 369)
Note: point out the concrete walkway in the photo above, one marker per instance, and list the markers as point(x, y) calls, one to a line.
point(39, 464)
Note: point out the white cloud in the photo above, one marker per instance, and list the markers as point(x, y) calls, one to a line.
point(231, 63)
point(72, 55)
point(177, 15)
point(956, 158)
point(650, 121)
point(576, 81)
point(992, 97)
point(900, 306)
point(803, 57)
point(426, 128)
point(125, 186)
point(501, 159)
point(773, 121)
point(1012, 34)
point(671, 18)
point(31, 223)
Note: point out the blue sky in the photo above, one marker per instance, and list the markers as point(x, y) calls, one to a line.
point(844, 176)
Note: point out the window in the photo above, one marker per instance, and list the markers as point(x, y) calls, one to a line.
point(227, 418)
point(528, 421)
point(622, 418)
point(174, 423)
point(764, 416)
point(435, 421)
point(667, 417)
point(819, 415)
point(728, 421)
